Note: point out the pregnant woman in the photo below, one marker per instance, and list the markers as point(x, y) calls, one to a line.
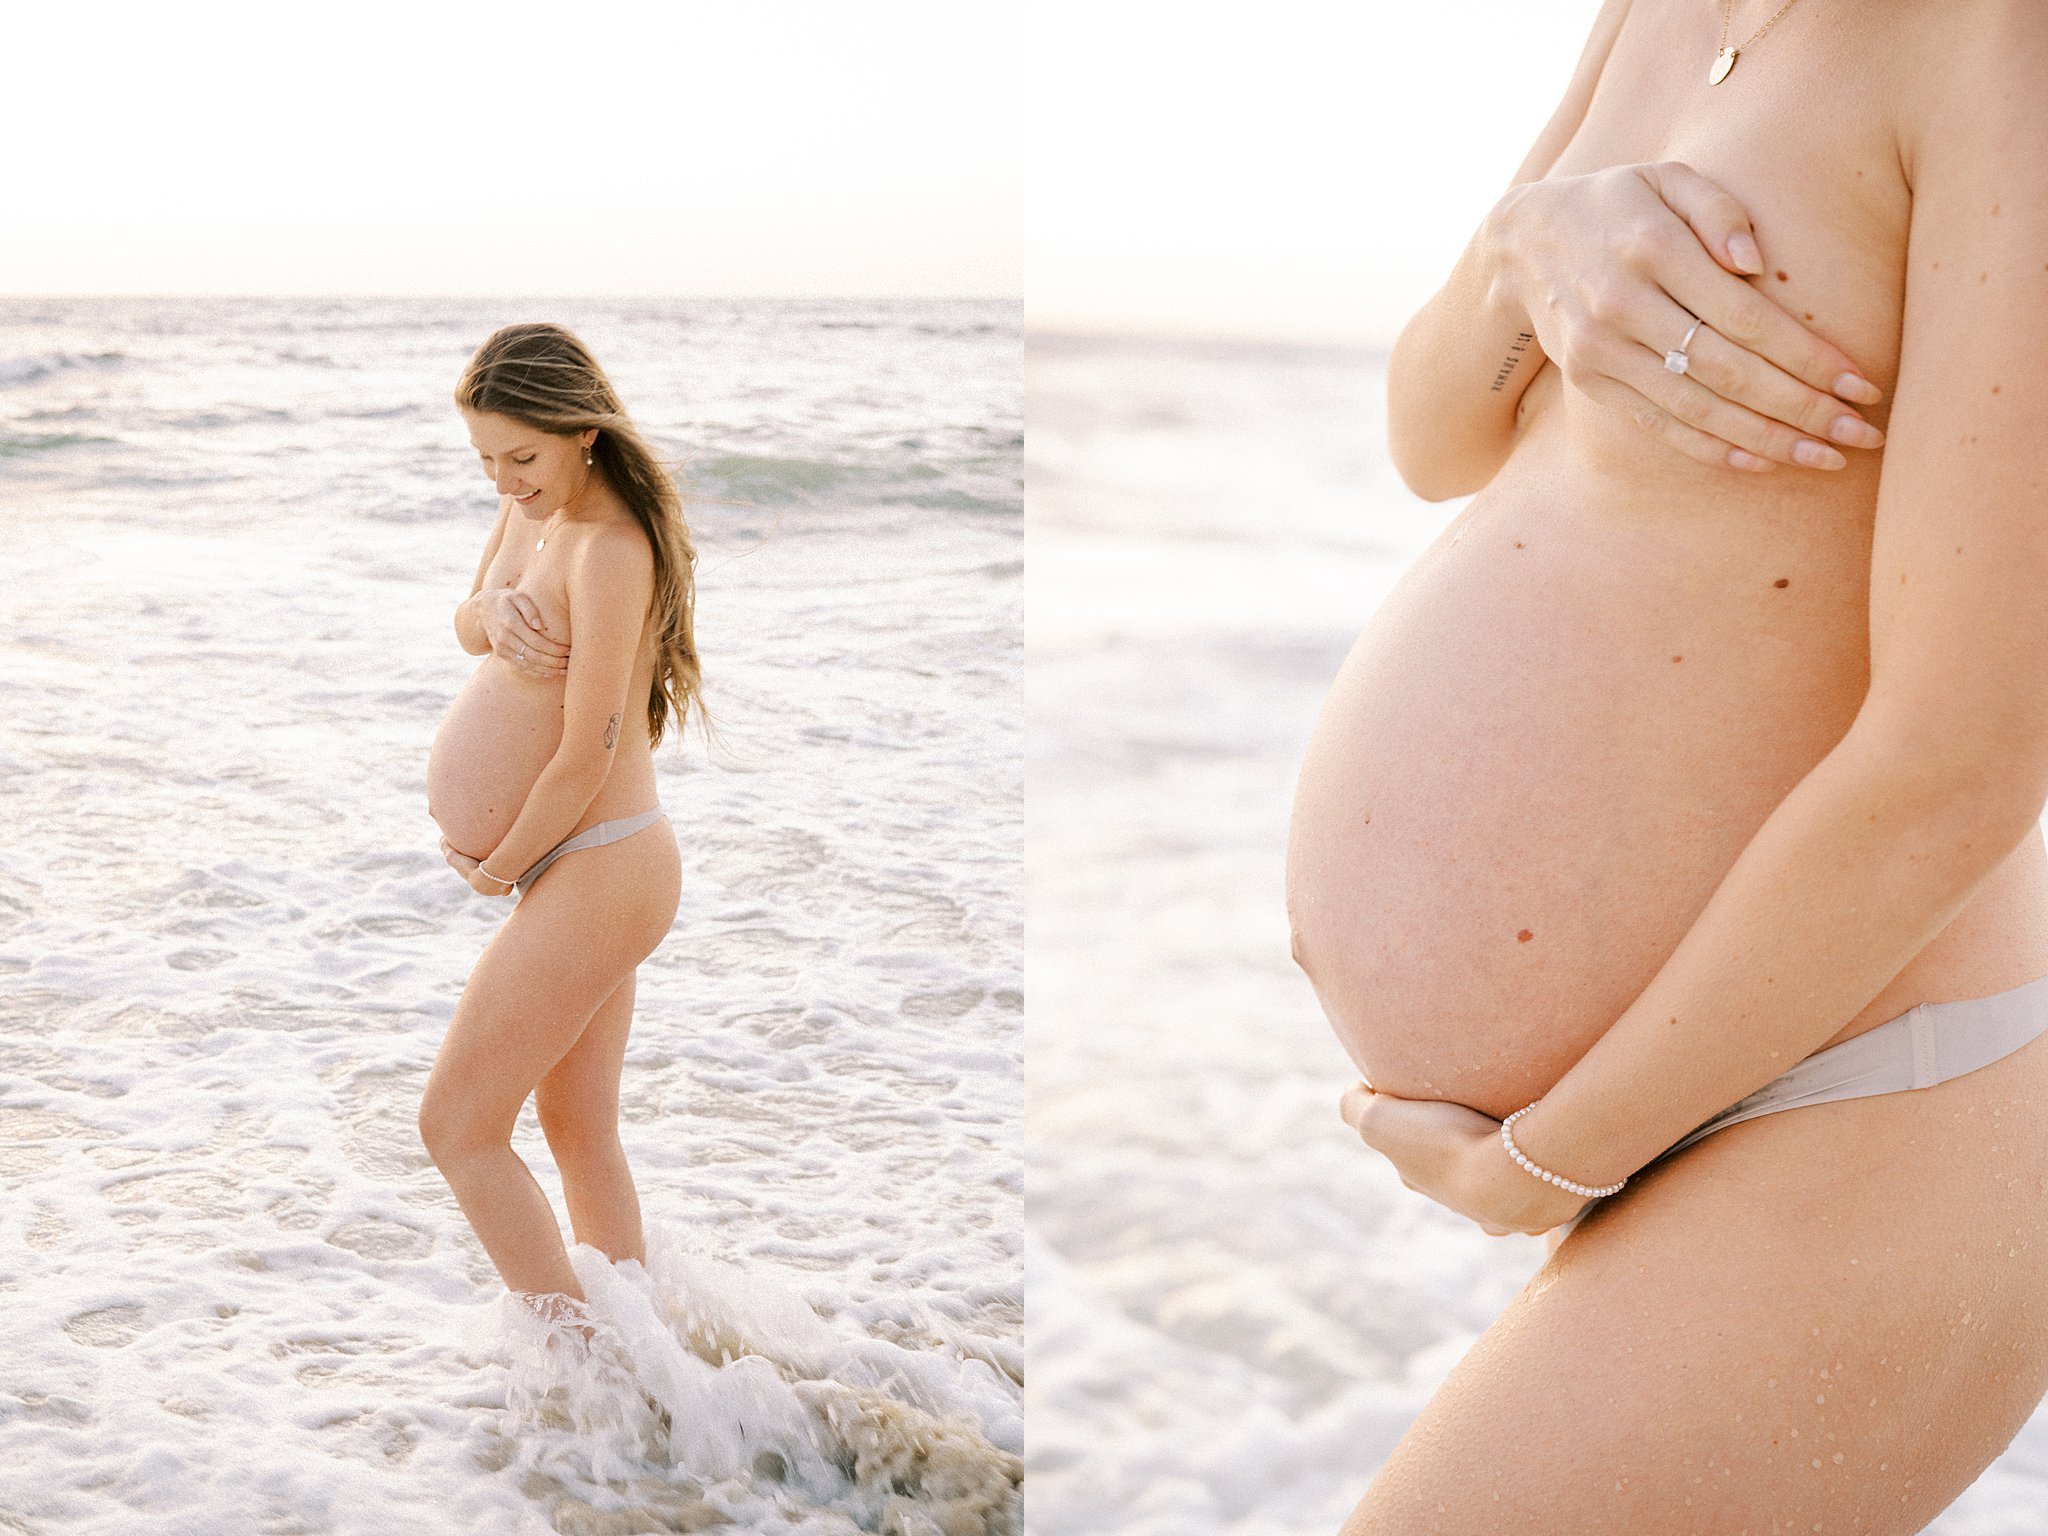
point(1688, 788)
point(542, 781)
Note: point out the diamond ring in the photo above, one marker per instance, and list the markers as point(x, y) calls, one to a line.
point(1675, 359)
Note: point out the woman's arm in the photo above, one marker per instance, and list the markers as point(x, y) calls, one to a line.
point(1460, 365)
point(506, 621)
point(611, 584)
point(469, 630)
point(1945, 769)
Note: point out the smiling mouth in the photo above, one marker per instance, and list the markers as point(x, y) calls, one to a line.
point(523, 500)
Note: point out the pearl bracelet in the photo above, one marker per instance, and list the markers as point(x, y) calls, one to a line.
point(1507, 1139)
point(509, 885)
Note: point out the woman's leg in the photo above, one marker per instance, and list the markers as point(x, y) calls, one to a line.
point(575, 936)
point(1823, 1319)
point(578, 1106)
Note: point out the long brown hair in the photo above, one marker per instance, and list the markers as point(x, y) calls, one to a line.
point(544, 377)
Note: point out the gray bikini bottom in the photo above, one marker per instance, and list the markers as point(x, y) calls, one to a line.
point(1921, 1047)
point(590, 837)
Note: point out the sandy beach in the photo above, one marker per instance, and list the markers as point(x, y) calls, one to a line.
point(1235, 1307)
point(238, 1297)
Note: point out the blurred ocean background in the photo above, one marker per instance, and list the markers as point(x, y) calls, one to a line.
point(235, 1295)
point(1236, 1309)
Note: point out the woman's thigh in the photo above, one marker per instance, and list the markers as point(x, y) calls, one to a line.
point(1826, 1319)
point(573, 938)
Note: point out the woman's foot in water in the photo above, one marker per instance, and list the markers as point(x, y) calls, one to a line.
point(570, 1318)
point(565, 1315)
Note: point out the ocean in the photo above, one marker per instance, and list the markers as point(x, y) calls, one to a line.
point(235, 1295)
point(1236, 1309)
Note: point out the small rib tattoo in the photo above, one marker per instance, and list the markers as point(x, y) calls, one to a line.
point(1512, 361)
point(611, 732)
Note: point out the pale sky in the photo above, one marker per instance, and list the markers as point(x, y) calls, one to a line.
point(857, 147)
point(1292, 170)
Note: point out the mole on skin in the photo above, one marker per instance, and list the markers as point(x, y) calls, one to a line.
point(1524, 936)
point(1782, 581)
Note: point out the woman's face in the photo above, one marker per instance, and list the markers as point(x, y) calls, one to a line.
point(538, 470)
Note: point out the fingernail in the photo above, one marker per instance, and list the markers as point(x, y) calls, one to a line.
point(1856, 432)
point(1741, 458)
point(1853, 386)
point(1817, 455)
point(1743, 252)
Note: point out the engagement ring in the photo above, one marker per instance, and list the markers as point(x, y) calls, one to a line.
point(1675, 359)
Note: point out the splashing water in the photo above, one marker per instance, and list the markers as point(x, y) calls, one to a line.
point(698, 1393)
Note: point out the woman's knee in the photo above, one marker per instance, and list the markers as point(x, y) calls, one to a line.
point(450, 1126)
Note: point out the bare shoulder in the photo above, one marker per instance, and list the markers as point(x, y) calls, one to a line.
point(1967, 74)
point(1571, 109)
point(614, 553)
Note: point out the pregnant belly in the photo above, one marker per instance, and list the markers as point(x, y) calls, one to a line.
point(1551, 742)
point(493, 743)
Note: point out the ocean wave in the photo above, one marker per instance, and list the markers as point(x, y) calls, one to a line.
point(755, 477)
point(26, 370)
point(771, 480)
point(411, 411)
point(966, 501)
point(229, 413)
point(16, 445)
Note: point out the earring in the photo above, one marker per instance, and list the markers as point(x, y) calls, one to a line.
point(586, 453)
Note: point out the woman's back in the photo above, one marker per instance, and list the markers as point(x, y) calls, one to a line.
point(1567, 721)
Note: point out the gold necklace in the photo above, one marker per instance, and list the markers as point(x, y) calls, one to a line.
point(1725, 59)
point(564, 507)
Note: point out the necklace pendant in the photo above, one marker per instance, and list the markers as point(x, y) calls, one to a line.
point(1723, 62)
